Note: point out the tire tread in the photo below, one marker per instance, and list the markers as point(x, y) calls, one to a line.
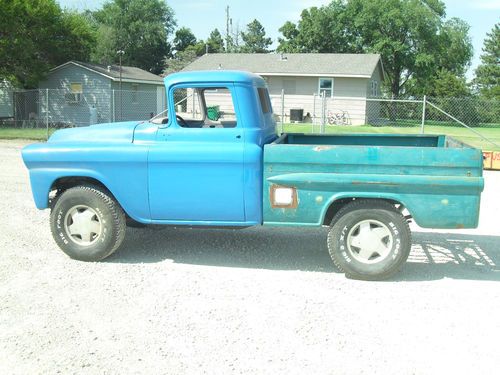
point(360, 204)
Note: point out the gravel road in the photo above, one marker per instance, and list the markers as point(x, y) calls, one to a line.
point(254, 301)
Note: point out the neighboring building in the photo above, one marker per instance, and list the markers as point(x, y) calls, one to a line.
point(90, 93)
point(346, 80)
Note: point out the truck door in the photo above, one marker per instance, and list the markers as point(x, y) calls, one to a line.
point(196, 167)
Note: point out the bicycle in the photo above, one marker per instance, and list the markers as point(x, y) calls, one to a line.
point(339, 118)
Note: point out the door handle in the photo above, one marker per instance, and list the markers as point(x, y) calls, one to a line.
point(238, 136)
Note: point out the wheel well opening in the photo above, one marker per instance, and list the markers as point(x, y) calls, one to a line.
point(64, 183)
point(335, 206)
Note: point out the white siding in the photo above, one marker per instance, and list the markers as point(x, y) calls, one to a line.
point(349, 96)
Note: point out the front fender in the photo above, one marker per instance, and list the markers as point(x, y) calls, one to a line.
point(122, 169)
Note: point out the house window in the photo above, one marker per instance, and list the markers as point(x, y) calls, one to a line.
point(374, 88)
point(290, 86)
point(135, 89)
point(75, 94)
point(326, 86)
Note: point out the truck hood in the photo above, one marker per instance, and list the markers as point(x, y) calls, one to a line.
point(118, 132)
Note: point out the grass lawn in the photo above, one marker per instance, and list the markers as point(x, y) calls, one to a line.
point(18, 133)
point(460, 133)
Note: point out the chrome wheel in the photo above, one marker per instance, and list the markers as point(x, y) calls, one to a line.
point(369, 241)
point(82, 224)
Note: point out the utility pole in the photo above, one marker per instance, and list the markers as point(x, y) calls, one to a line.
point(228, 31)
point(120, 53)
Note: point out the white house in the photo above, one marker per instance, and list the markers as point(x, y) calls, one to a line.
point(345, 80)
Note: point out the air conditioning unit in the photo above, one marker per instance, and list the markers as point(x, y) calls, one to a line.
point(73, 97)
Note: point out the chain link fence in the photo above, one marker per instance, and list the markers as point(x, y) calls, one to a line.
point(54, 109)
point(473, 120)
point(58, 108)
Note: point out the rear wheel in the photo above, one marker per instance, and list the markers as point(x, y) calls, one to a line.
point(369, 240)
point(87, 223)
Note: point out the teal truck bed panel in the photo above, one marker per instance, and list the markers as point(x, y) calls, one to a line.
point(438, 180)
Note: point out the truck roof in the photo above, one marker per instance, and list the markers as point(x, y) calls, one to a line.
point(207, 76)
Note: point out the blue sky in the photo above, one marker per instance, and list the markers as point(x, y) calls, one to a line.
point(202, 16)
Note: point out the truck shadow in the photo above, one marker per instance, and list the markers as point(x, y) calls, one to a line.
point(433, 256)
point(450, 255)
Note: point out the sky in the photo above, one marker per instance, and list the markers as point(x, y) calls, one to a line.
point(202, 16)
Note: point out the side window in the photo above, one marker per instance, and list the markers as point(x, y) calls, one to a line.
point(187, 105)
point(204, 107)
point(265, 101)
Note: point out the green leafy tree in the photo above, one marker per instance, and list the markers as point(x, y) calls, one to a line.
point(410, 35)
point(321, 30)
point(215, 42)
point(488, 72)
point(184, 38)
point(254, 38)
point(37, 35)
point(180, 61)
point(448, 85)
point(185, 56)
point(451, 59)
point(140, 28)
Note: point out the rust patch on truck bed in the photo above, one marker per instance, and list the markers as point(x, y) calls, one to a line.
point(322, 148)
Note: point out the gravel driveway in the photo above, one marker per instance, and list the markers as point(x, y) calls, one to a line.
point(257, 301)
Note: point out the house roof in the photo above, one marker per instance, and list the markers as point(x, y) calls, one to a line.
point(129, 73)
point(292, 64)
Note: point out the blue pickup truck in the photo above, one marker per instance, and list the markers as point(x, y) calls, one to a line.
point(214, 159)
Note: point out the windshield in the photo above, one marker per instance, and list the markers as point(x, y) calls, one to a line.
point(164, 114)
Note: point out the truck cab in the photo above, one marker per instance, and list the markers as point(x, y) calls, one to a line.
point(209, 148)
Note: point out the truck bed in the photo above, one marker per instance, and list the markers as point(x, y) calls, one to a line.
point(438, 179)
point(395, 140)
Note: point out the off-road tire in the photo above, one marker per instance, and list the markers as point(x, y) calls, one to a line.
point(107, 215)
point(373, 215)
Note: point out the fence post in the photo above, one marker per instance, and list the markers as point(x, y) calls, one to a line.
point(422, 127)
point(282, 109)
point(47, 111)
point(113, 102)
point(323, 113)
point(314, 113)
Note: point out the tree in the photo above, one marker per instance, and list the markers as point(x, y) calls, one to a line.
point(410, 35)
point(254, 39)
point(138, 27)
point(183, 39)
point(320, 30)
point(448, 85)
point(488, 72)
point(451, 59)
point(36, 36)
point(187, 50)
point(215, 42)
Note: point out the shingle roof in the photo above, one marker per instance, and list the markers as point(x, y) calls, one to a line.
point(328, 64)
point(128, 72)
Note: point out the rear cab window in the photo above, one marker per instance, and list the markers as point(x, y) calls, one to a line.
point(265, 101)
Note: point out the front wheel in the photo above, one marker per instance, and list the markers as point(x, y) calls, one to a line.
point(87, 223)
point(369, 240)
